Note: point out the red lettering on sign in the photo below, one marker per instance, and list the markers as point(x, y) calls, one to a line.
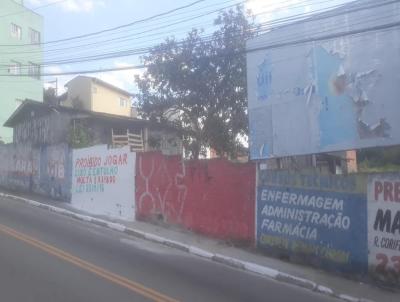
point(389, 190)
point(378, 189)
point(396, 263)
point(397, 191)
point(381, 267)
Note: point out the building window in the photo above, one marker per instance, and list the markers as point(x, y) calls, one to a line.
point(16, 31)
point(15, 68)
point(123, 102)
point(34, 70)
point(34, 36)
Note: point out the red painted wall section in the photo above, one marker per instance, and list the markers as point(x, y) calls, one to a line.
point(213, 197)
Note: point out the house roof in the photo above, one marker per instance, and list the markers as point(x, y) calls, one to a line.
point(29, 107)
point(102, 83)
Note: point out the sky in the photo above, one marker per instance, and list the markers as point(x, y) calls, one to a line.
point(69, 18)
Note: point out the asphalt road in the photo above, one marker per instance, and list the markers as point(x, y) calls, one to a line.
point(47, 257)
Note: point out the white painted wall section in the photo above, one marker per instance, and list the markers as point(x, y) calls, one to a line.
point(103, 181)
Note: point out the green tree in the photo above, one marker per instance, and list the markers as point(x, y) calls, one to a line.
point(199, 85)
point(79, 136)
point(50, 96)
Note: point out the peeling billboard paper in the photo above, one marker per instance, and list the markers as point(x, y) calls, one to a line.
point(328, 95)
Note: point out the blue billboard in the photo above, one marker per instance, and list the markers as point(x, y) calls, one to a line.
point(319, 219)
point(325, 95)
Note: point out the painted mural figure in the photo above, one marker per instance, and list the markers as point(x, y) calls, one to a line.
point(264, 80)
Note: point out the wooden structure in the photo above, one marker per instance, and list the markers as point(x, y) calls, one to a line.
point(133, 140)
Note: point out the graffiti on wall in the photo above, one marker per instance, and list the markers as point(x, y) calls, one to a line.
point(197, 194)
point(55, 171)
point(170, 180)
point(56, 161)
point(34, 130)
point(24, 167)
point(314, 216)
point(44, 170)
point(102, 181)
point(384, 225)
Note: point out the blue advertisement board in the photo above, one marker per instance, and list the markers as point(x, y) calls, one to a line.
point(319, 96)
point(320, 219)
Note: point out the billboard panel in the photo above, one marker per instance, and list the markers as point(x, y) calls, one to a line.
point(329, 95)
point(320, 219)
point(384, 225)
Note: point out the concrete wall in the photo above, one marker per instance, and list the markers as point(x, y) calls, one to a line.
point(13, 89)
point(213, 197)
point(103, 181)
point(42, 170)
point(343, 223)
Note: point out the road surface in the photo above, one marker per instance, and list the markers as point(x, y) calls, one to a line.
point(47, 257)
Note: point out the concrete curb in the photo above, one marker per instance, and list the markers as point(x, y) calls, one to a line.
point(218, 258)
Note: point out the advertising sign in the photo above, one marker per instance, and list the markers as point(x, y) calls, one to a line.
point(325, 95)
point(384, 224)
point(103, 181)
point(314, 217)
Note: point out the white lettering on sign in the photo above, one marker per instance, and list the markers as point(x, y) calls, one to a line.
point(304, 200)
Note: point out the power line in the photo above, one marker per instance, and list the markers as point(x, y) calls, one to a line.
point(117, 27)
point(130, 54)
point(33, 9)
point(103, 56)
point(141, 66)
point(168, 22)
point(143, 50)
point(370, 19)
point(327, 37)
point(128, 24)
point(273, 46)
point(137, 51)
point(145, 33)
point(145, 26)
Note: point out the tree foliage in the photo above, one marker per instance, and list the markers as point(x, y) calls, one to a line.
point(381, 159)
point(79, 136)
point(200, 85)
point(50, 96)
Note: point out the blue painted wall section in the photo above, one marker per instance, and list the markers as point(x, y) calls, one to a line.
point(317, 219)
point(44, 170)
point(264, 80)
point(56, 171)
point(337, 118)
point(260, 127)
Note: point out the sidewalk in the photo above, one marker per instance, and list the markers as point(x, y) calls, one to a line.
point(221, 252)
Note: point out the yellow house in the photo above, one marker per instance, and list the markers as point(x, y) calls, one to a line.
point(93, 94)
